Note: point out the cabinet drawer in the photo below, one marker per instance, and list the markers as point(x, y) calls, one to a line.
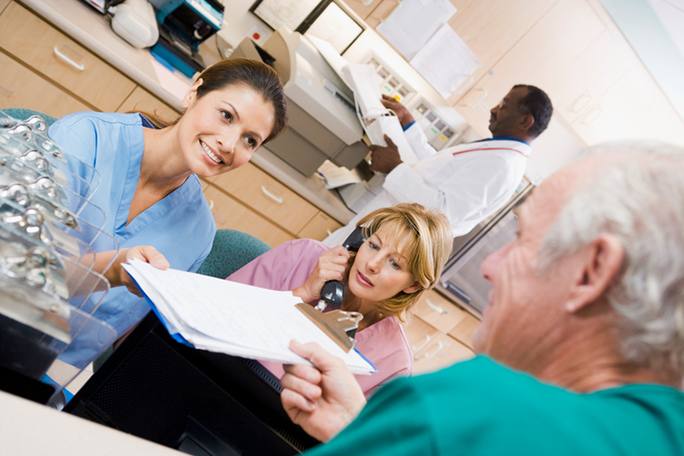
point(142, 100)
point(59, 58)
point(440, 353)
point(419, 334)
point(439, 312)
point(463, 332)
point(267, 196)
point(320, 226)
point(229, 213)
point(22, 88)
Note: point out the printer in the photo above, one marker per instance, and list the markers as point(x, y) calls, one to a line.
point(323, 124)
point(183, 26)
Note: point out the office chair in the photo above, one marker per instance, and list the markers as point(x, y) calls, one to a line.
point(23, 114)
point(231, 250)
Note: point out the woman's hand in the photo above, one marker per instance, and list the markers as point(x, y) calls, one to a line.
point(330, 266)
point(118, 276)
point(323, 399)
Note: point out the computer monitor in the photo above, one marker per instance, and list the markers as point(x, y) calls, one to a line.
point(198, 402)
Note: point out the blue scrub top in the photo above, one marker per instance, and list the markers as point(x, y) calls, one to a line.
point(180, 226)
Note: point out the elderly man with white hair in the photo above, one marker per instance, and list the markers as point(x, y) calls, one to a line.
point(581, 350)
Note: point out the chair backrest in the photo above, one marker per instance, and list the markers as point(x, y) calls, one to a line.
point(231, 250)
point(23, 114)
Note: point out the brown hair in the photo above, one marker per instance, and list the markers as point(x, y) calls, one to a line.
point(257, 75)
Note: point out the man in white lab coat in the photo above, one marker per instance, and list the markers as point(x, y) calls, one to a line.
point(468, 182)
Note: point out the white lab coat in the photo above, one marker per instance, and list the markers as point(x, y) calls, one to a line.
point(468, 182)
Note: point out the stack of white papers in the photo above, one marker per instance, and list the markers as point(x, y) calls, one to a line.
point(236, 319)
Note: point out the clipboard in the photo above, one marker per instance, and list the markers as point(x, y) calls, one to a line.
point(339, 325)
point(217, 315)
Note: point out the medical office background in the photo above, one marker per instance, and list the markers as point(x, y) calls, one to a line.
point(614, 69)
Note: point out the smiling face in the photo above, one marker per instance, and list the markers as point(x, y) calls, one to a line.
point(221, 130)
point(526, 306)
point(379, 271)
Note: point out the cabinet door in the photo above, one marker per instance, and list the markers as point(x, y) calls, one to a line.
point(142, 100)
point(229, 213)
point(440, 353)
point(381, 11)
point(419, 334)
point(59, 58)
point(659, 121)
point(320, 226)
point(490, 28)
point(362, 7)
point(589, 77)
point(22, 88)
point(3, 4)
point(538, 58)
point(463, 332)
point(267, 196)
point(615, 115)
point(438, 311)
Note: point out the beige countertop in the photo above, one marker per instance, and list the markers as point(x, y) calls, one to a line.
point(28, 428)
point(85, 25)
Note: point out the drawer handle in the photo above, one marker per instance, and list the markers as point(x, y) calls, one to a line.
point(479, 100)
point(592, 116)
point(581, 102)
point(271, 195)
point(422, 346)
point(439, 349)
point(6, 91)
point(465, 84)
point(58, 53)
point(436, 308)
point(211, 205)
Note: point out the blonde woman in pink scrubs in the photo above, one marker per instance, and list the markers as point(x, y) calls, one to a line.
point(403, 256)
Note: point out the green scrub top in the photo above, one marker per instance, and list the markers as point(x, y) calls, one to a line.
point(480, 407)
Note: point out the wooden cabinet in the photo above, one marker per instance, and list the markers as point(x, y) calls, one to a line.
point(439, 333)
point(266, 196)
point(539, 58)
point(319, 227)
point(44, 70)
point(589, 77)
point(490, 28)
point(271, 205)
point(142, 100)
point(614, 115)
point(22, 88)
point(229, 213)
point(274, 203)
point(39, 45)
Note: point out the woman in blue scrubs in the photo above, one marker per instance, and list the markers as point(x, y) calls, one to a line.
point(149, 188)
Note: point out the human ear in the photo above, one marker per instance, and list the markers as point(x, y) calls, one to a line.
point(526, 122)
point(191, 94)
point(601, 262)
point(413, 288)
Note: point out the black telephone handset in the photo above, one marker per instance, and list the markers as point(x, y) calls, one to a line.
point(333, 291)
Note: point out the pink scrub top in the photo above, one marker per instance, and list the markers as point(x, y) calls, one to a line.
point(287, 267)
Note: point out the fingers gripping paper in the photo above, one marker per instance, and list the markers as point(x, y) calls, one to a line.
point(236, 319)
point(377, 120)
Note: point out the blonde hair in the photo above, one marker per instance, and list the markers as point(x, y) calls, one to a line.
point(425, 237)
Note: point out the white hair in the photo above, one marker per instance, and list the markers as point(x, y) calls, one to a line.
point(638, 197)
